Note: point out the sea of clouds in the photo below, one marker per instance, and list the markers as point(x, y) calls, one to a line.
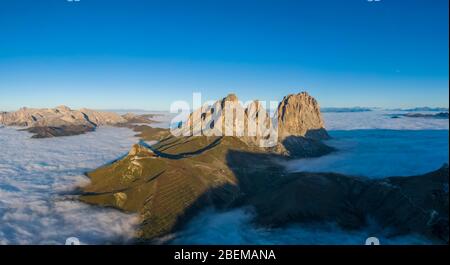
point(375, 145)
point(380, 153)
point(381, 119)
point(37, 174)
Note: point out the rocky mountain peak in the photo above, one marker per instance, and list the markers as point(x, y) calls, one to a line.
point(63, 108)
point(231, 97)
point(139, 150)
point(299, 115)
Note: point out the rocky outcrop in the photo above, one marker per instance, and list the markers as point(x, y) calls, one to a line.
point(138, 119)
point(100, 118)
point(60, 121)
point(140, 151)
point(297, 116)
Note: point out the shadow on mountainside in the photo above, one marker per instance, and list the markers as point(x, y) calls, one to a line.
point(183, 154)
point(398, 205)
point(317, 134)
point(303, 147)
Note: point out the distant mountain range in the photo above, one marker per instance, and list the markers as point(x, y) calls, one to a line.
point(440, 115)
point(422, 109)
point(364, 109)
point(135, 111)
point(352, 109)
point(64, 121)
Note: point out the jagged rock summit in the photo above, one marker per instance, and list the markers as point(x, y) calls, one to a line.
point(297, 121)
point(299, 115)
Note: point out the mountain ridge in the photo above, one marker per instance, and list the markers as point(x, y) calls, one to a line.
point(64, 121)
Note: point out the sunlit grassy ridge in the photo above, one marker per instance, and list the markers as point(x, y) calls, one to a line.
point(163, 188)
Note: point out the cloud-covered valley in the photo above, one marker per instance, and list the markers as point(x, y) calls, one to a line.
point(36, 173)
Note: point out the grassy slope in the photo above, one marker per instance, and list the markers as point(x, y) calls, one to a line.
point(163, 190)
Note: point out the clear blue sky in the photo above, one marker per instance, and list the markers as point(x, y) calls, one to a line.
point(145, 54)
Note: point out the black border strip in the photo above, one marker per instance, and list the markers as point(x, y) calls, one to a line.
point(283, 254)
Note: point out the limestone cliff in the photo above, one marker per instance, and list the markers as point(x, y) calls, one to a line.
point(59, 116)
point(297, 119)
point(299, 115)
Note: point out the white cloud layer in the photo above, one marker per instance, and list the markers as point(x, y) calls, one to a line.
point(235, 228)
point(380, 119)
point(374, 145)
point(380, 153)
point(35, 173)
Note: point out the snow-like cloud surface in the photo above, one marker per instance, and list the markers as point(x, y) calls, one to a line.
point(35, 173)
point(381, 120)
point(380, 153)
point(375, 145)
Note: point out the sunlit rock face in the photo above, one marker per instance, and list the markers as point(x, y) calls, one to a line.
point(60, 121)
point(58, 117)
point(297, 115)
